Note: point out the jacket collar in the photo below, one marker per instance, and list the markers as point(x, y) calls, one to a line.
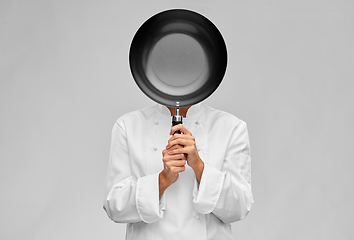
point(192, 112)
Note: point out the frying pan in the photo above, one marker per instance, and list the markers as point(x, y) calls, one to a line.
point(178, 58)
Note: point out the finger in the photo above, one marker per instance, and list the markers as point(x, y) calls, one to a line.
point(186, 150)
point(173, 147)
point(173, 157)
point(183, 136)
point(180, 140)
point(175, 163)
point(168, 157)
point(177, 169)
point(181, 128)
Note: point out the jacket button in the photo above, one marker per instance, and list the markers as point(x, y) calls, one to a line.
point(197, 122)
point(155, 148)
point(197, 217)
point(156, 122)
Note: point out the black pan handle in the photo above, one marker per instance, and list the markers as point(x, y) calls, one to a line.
point(175, 121)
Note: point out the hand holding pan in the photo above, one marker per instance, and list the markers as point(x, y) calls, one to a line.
point(178, 58)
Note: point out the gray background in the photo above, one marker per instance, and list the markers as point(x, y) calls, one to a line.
point(65, 79)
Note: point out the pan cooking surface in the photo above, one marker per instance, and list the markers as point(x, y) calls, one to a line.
point(177, 65)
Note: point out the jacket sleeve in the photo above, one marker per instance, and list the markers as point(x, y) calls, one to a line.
point(128, 199)
point(227, 192)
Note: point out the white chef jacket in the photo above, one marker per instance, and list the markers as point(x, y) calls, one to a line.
point(186, 210)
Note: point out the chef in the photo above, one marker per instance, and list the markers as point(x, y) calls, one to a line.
point(191, 185)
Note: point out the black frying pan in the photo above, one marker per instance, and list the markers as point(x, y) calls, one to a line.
point(178, 56)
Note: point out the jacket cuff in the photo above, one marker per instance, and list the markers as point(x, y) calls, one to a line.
point(149, 206)
point(207, 194)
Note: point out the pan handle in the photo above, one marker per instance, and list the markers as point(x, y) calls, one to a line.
point(175, 121)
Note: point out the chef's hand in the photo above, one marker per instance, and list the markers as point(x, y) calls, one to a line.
point(173, 165)
point(189, 149)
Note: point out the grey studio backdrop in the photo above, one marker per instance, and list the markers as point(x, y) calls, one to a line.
point(65, 79)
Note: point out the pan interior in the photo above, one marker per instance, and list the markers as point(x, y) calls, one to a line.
point(177, 65)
